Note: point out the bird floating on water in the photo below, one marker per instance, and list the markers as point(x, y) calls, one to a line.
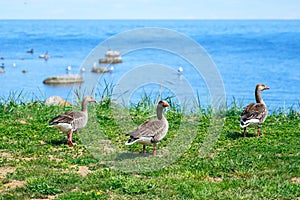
point(82, 69)
point(180, 70)
point(68, 69)
point(94, 64)
point(31, 51)
point(255, 113)
point(111, 69)
point(45, 56)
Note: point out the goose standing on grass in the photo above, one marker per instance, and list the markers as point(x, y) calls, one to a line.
point(255, 113)
point(73, 121)
point(151, 132)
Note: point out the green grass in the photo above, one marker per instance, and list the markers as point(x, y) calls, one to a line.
point(35, 161)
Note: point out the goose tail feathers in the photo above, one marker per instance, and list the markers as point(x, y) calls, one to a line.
point(131, 141)
point(245, 123)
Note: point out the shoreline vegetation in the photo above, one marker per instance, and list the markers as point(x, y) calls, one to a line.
point(36, 163)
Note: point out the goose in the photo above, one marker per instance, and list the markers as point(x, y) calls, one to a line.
point(151, 132)
point(72, 121)
point(255, 113)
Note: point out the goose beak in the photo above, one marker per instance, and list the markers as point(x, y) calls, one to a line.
point(165, 104)
point(267, 88)
point(93, 101)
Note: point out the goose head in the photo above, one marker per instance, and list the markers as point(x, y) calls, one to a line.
point(261, 87)
point(86, 101)
point(162, 104)
point(89, 99)
point(159, 109)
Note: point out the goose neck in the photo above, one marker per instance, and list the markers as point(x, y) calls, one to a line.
point(84, 106)
point(159, 112)
point(258, 97)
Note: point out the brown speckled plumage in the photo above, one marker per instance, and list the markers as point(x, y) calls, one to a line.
point(151, 132)
point(255, 113)
point(72, 121)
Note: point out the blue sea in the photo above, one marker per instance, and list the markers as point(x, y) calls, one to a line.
point(244, 52)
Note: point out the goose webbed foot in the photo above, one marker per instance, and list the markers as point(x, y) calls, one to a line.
point(71, 144)
point(261, 135)
point(258, 133)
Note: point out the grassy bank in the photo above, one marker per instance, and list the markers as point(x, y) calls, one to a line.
point(36, 163)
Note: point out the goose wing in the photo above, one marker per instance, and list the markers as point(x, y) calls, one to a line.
point(67, 117)
point(253, 113)
point(148, 129)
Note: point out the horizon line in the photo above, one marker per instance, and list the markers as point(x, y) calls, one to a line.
point(187, 19)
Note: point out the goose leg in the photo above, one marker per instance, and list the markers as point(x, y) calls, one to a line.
point(70, 143)
point(258, 132)
point(154, 149)
point(144, 148)
point(244, 132)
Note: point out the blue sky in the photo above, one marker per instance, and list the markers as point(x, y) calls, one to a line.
point(150, 9)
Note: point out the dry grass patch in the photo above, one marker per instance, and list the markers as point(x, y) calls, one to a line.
point(11, 185)
point(6, 170)
point(213, 179)
point(296, 180)
point(83, 171)
point(6, 155)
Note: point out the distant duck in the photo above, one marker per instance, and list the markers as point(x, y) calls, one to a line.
point(31, 51)
point(24, 71)
point(255, 113)
point(94, 64)
point(180, 70)
point(3, 65)
point(68, 69)
point(2, 58)
point(73, 121)
point(111, 69)
point(82, 69)
point(151, 132)
point(44, 56)
point(2, 71)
